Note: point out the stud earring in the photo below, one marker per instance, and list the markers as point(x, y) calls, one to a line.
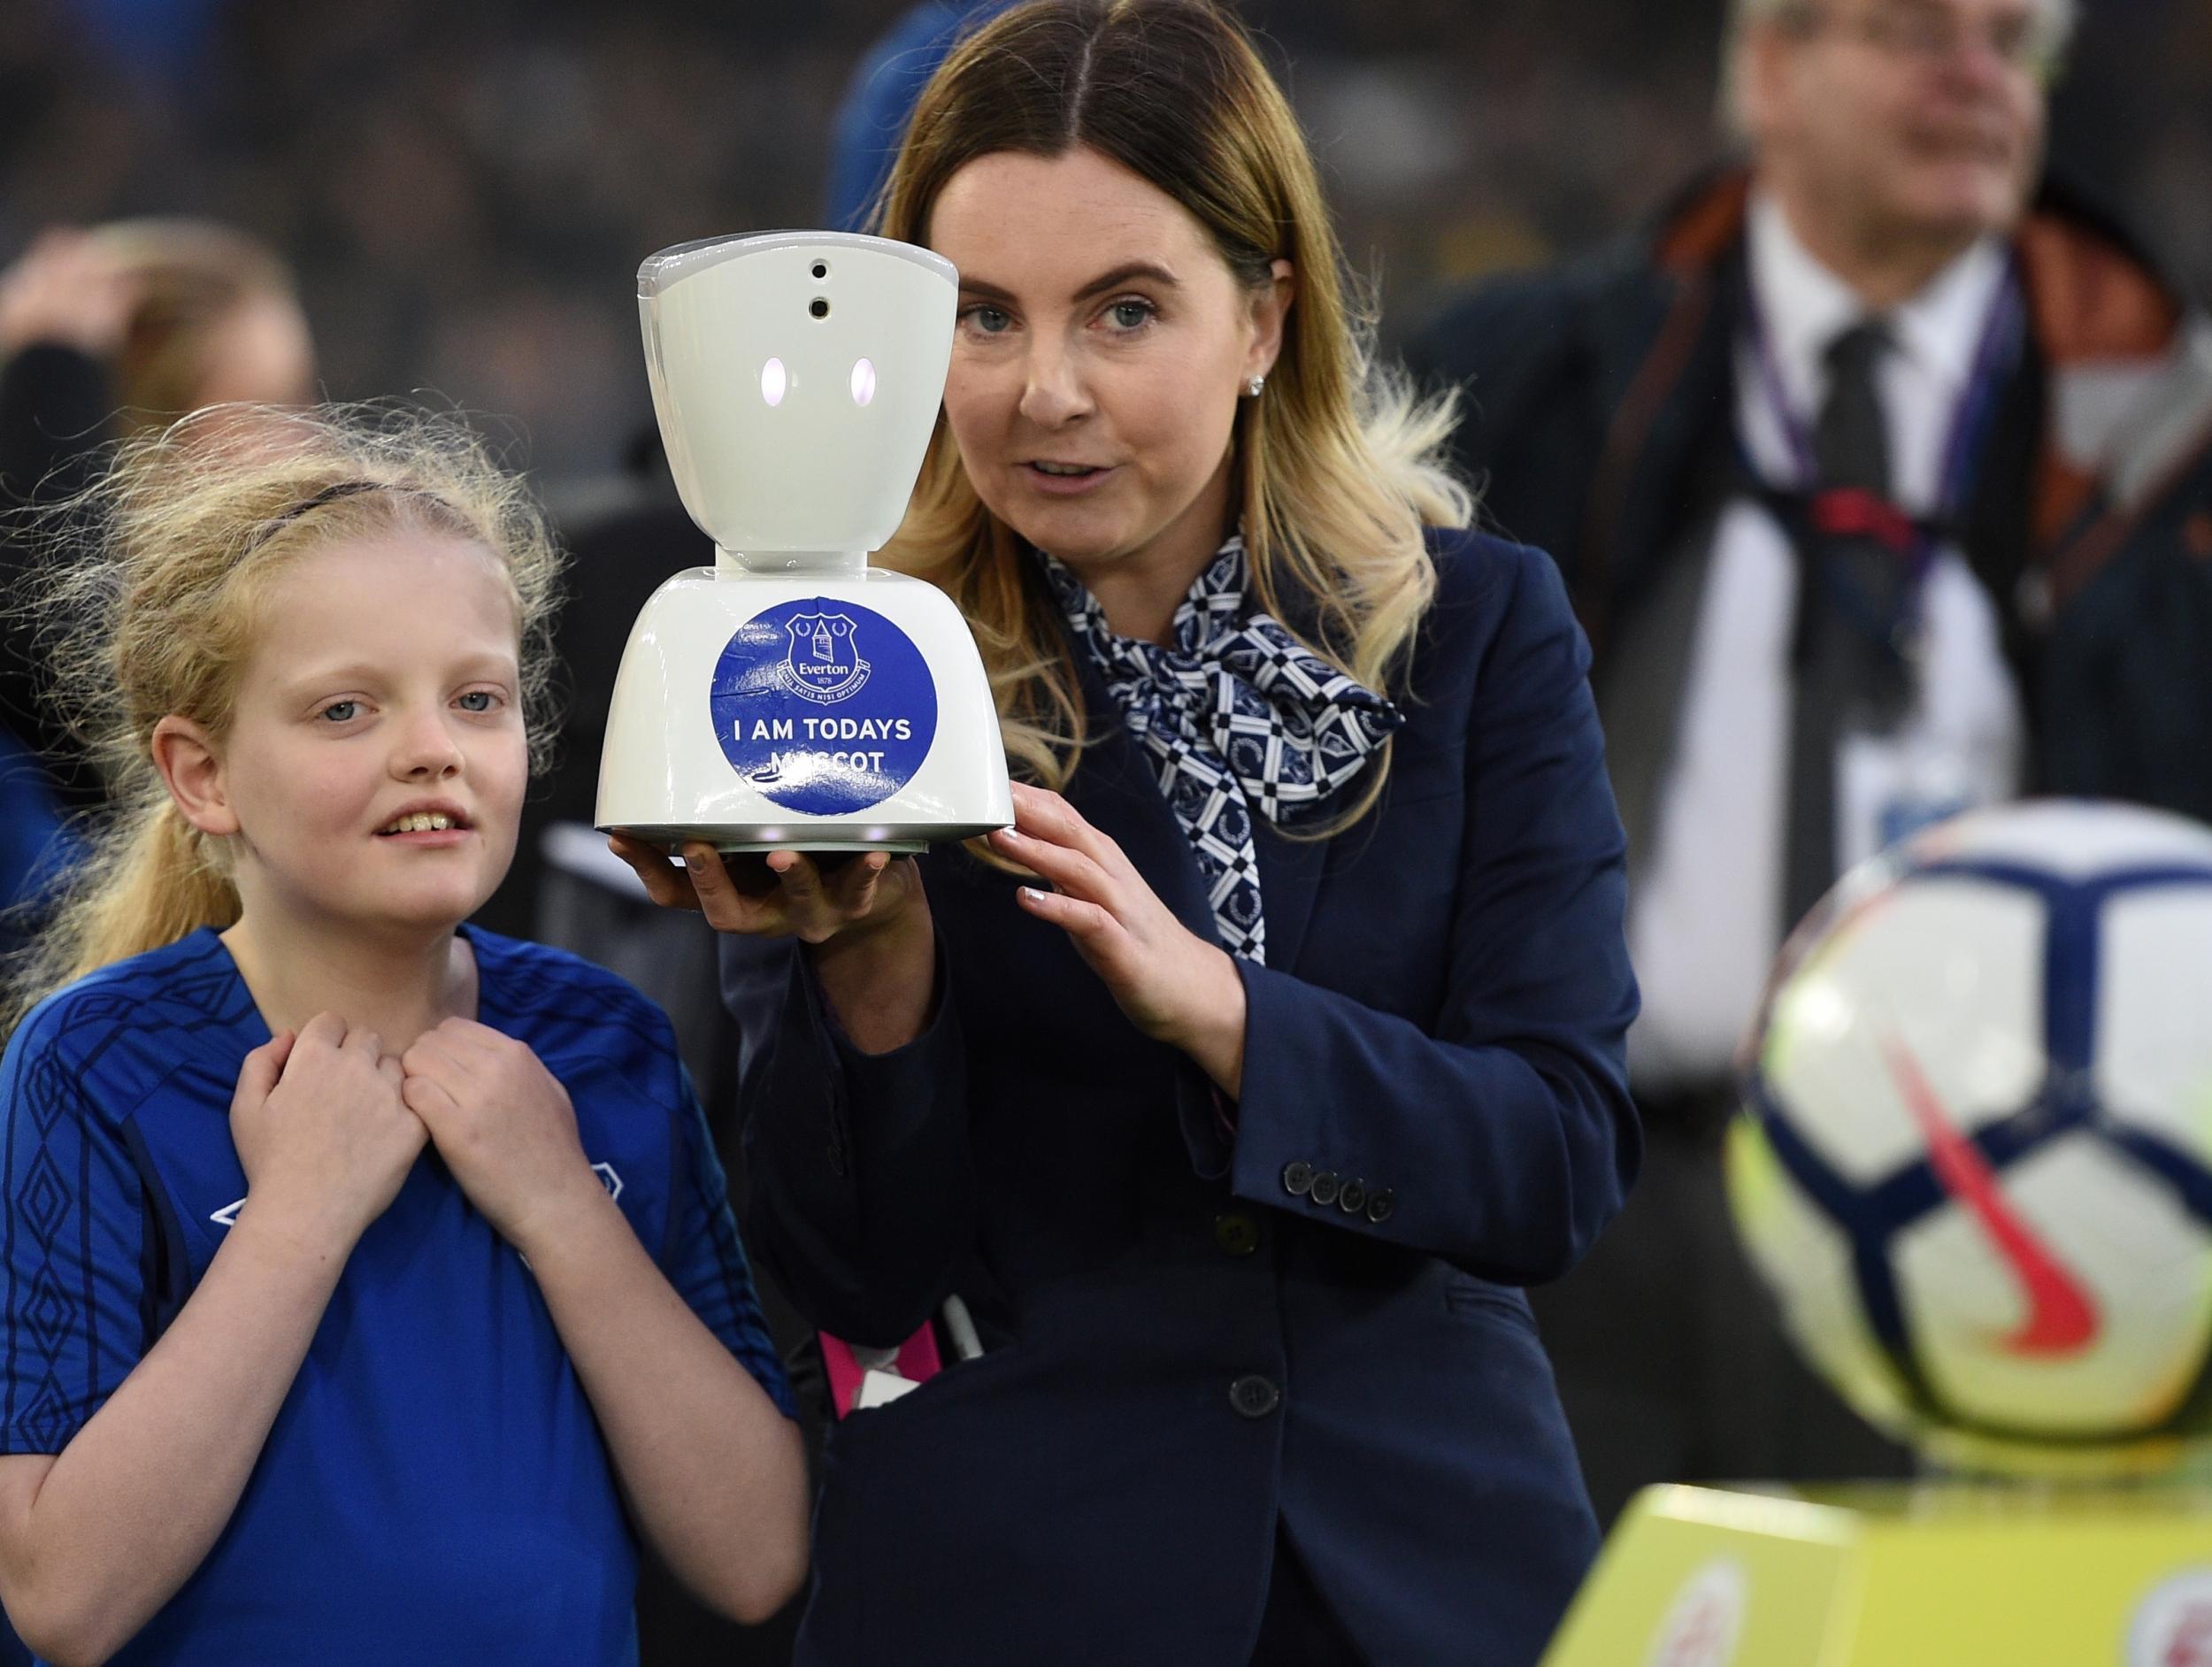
point(1252, 387)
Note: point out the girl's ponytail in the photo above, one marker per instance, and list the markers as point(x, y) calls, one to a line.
point(150, 881)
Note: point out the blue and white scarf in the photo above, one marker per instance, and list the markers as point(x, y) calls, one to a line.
point(1241, 716)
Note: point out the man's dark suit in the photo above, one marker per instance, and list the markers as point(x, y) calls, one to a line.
point(1600, 415)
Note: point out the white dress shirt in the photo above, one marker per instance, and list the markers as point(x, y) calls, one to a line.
point(1705, 914)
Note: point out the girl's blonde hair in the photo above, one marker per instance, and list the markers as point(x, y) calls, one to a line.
point(1339, 466)
point(150, 596)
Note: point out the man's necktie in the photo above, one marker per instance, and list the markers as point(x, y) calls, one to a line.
point(1848, 671)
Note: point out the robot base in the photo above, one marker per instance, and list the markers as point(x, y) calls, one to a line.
point(814, 838)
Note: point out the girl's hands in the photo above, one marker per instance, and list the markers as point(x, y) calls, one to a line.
point(328, 1127)
point(1175, 987)
point(504, 1127)
point(783, 895)
point(322, 1131)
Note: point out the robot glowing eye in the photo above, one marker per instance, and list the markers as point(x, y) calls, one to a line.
point(774, 381)
point(864, 381)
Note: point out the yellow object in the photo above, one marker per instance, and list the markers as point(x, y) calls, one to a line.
point(1936, 1575)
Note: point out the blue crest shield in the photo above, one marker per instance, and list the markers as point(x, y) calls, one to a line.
point(822, 662)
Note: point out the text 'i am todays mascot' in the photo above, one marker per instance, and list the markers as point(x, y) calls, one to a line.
point(791, 695)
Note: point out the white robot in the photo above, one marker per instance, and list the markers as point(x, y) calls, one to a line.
point(791, 696)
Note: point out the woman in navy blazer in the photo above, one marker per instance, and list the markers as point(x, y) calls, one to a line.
point(1239, 1089)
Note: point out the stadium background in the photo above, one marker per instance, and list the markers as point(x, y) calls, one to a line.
point(466, 191)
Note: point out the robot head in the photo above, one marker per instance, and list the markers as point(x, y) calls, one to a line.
point(796, 376)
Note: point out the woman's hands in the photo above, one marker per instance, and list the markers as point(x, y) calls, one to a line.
point(867, 923)
point(865, 920)
point(322, 1132)
point(783, 895)
point(1175, 987)
point(504, 1127)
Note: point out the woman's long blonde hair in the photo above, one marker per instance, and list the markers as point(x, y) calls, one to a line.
point(149, 594)
point(1339, 466)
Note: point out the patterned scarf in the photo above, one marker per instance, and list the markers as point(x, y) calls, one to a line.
point(1241, 717)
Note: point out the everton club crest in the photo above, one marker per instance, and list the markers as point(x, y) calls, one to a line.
point(823, 663)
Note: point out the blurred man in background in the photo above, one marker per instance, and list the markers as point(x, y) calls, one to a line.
point(1882, 472)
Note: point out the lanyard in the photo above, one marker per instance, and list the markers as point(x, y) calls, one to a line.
point(1851, 513)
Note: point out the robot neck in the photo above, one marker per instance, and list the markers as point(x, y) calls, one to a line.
point(734, 563)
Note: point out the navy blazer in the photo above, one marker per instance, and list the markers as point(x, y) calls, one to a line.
point(1194, 1332)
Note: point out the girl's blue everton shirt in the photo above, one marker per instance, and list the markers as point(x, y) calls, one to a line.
point(434, 1487)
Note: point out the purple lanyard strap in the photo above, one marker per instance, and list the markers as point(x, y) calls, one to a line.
point(1970, 418)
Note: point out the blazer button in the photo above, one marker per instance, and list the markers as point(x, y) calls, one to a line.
point(1297, 1178)
point(1324, 1187)
point(1236, 1234)
point(1380, 1203)
point(1254, 1397)
point(1352, 1197)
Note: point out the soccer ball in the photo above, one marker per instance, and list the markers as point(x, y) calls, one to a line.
point(1975, 1155)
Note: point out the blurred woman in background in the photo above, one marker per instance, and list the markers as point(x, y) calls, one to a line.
point(143, 320)
point(106, 333)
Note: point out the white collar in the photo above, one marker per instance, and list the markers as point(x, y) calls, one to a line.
point(1805, 306)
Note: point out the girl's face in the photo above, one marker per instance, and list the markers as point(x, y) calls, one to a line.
point(1101, 346)
point(374, 769)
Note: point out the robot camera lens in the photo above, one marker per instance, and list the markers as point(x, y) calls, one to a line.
point(819, 307)
point(821, 269)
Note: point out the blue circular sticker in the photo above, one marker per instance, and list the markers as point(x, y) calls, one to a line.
point(824, 706)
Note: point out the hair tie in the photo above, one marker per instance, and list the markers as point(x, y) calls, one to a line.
point(330, 494)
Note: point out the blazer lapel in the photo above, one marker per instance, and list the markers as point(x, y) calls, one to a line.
point(1116, 789)
point(1290, 869)
point(1290, 877)
point(1118, 793)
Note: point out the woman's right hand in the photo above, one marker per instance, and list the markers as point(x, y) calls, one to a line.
point(783, 895)
point(322, 1132)
point(865, 921)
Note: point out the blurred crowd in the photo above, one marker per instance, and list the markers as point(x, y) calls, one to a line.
point(466, 192)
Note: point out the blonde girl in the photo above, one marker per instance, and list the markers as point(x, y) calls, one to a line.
point(367, 1279)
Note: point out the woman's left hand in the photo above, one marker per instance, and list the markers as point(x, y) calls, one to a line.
point(503, 1125)
point(1175, 987)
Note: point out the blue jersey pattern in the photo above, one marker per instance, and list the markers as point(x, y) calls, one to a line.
point(434, 1487)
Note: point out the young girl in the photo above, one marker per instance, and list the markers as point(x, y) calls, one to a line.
point(367, 1279)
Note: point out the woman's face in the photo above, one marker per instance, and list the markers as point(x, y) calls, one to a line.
point(383, 682)
point(1101, 347)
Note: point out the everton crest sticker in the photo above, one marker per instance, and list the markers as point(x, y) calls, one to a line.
point(824, 665)
point(824, 706)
